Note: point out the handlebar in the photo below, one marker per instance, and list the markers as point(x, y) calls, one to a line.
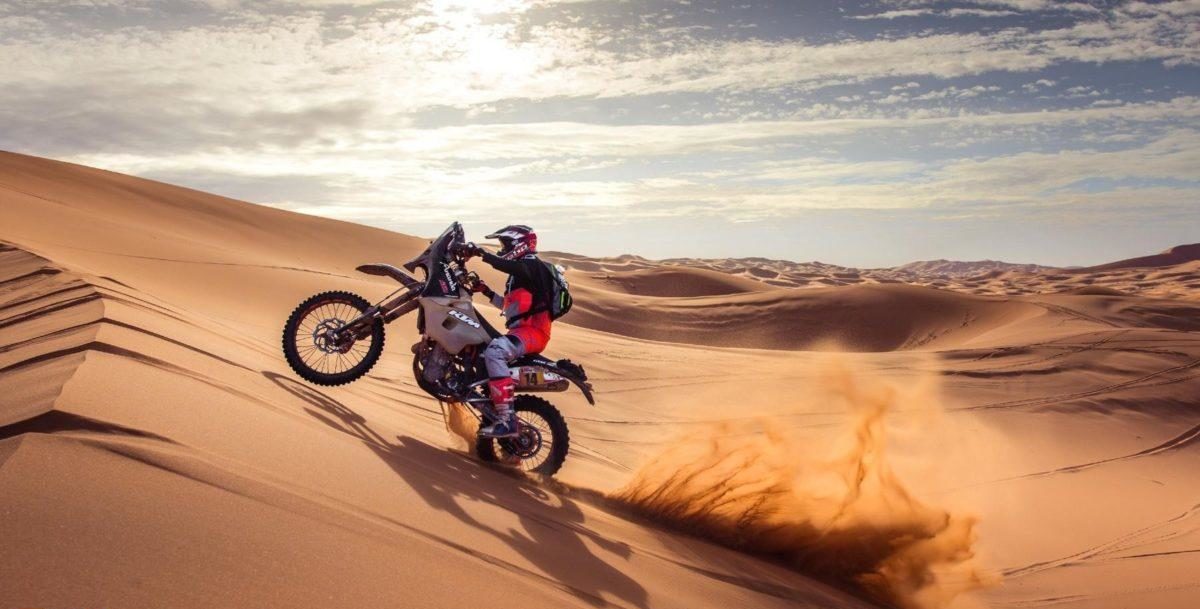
point(460, 251)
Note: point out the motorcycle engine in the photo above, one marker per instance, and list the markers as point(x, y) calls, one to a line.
point(435, 364)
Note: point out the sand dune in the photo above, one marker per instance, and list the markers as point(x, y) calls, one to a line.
point(858, 318)
point(151, 433)
point(956, 268)
point(1172, 274)
point(861, 318)
point(1177, 255)
point(670, 281)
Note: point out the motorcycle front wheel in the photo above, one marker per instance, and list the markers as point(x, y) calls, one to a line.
point(314, 349)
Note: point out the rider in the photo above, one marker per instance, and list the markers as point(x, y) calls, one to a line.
point(526, 309)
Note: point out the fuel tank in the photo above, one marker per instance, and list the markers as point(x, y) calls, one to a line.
point(452, 322)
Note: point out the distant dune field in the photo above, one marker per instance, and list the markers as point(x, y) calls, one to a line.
point(1175, 273)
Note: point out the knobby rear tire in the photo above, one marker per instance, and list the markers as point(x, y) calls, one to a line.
point(291, 351)
point(487, 450)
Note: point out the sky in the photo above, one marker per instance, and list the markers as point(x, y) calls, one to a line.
point(868, 133)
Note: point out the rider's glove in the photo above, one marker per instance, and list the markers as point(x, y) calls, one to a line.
point(481, 288)
point(468, 250)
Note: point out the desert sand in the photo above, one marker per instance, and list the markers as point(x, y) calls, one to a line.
point(767, 433)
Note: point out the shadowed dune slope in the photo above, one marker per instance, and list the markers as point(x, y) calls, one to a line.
point(867, 318)
point(47, 317)
point(669, 281)
point(859, 318)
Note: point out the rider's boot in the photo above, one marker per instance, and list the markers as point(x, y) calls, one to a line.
point(505, 426)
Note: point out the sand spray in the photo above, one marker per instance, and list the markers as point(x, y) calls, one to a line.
point(461, 426)
point(831, 507)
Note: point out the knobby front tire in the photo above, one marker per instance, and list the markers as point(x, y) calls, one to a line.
point(303, 352)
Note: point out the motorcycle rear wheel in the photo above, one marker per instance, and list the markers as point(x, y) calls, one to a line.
point(312, 357)
point(542, 446)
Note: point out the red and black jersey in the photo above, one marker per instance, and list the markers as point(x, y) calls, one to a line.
point(525, 306)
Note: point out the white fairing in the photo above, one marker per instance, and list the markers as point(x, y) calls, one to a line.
point(452, 323)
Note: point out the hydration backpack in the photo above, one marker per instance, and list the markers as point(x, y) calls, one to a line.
point(558, 299)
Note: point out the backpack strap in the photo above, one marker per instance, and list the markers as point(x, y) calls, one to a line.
point(534, 310)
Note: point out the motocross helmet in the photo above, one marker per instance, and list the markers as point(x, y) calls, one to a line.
point(516, 240)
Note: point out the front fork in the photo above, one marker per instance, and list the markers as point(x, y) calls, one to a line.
point(360, 327)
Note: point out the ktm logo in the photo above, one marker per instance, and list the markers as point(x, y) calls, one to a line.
point(463, 317)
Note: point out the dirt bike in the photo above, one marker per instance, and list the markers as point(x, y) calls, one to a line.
point(334, 338)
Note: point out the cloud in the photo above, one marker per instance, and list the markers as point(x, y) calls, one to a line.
point(324, 107)
point(1031, 184)
point(1177, 8)
point(923, 12)
point(540, 140)
point(951, 92)
point(525, 169)
point(1016, 5)
point(896, 14)
point(1037, 85)
point(438, 55)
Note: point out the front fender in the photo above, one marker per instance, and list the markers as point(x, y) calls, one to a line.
point(387, 270)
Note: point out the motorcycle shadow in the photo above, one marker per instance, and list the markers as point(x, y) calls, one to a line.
point(553, 535)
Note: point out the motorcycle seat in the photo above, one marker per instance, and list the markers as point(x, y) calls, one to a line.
point(532, 360)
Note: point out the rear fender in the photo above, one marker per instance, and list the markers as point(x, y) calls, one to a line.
point(584, 386)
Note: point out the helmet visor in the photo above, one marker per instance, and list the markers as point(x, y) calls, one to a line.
point(506, 245)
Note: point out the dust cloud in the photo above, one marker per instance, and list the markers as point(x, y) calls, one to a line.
point(831, 507)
